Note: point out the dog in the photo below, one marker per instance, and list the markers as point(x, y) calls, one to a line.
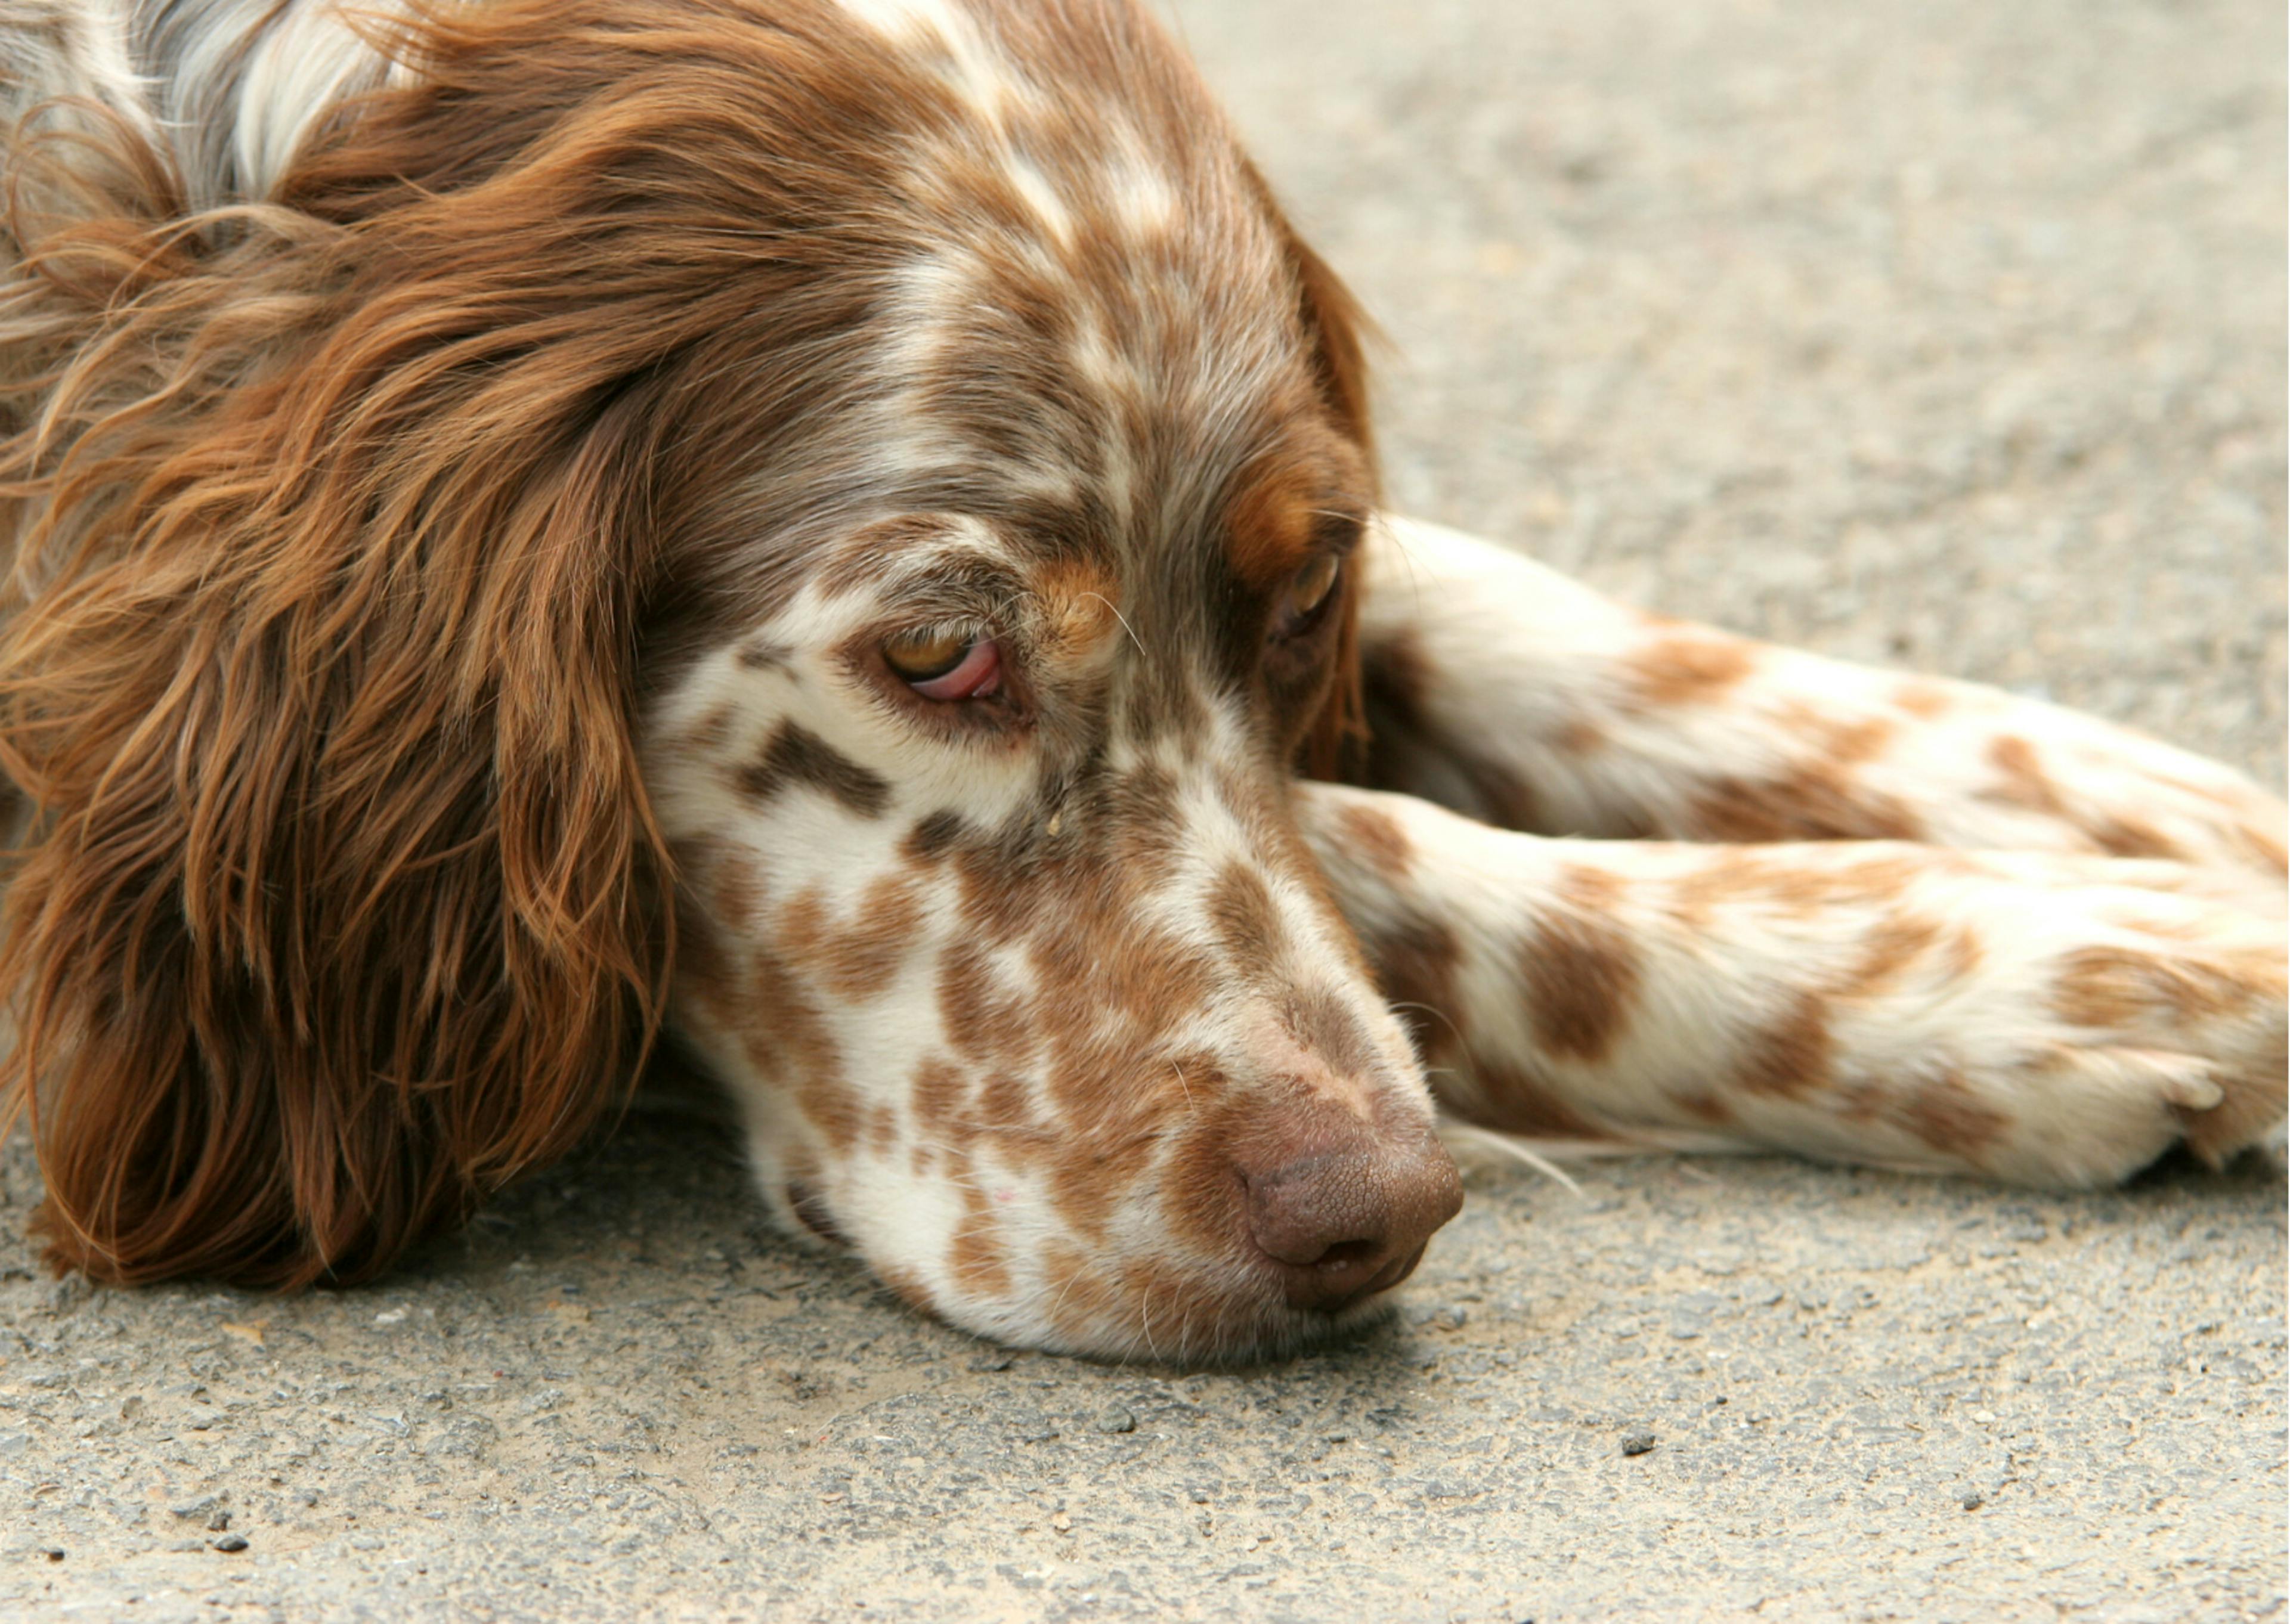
point(846, 532)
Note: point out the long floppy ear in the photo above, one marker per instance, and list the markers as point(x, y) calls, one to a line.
point(1337, 736)
point(342, 903)
point(1339, 331)
point(1334, 316)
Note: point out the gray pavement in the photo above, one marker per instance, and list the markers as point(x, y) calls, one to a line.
point(1937, 331)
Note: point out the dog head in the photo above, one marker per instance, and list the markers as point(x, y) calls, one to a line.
point(832, 524)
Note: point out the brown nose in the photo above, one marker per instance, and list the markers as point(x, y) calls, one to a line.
point(1343, 1210)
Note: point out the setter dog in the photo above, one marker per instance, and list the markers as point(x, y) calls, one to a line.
point(846, 532)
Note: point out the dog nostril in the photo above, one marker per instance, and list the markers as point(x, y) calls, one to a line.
point(1350, 1216)
point(1348, 1254)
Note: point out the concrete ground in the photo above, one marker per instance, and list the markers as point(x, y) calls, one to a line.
point(1938, 331)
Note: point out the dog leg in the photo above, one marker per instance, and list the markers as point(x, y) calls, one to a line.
point(1502, 689)
point(2046, 1018)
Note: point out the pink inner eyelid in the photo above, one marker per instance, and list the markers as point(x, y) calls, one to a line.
point(976, 675)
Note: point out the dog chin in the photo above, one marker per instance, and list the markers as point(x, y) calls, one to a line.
point(1269, 1333)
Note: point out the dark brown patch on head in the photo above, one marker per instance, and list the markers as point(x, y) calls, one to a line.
point(1707, 1107)
point(797, 757)
point(1687, 667)
point(1100, 1083)
point(868, 955)
point(882, 1131)
point(1174, 1314)
point(930, 840)
point(1154, 978)
point(1006, 882)
point(1792, 1057)
point(787, 1038)
point(1334, 320)
point(734, 888)
point(857, 960)
point(1325, 1025)
point(1579, 970)
point(1005, 1109)
point(766, 654)
point(1088, 1178)
point(1944, 1114)
point(704, 968)
point(1100, 964)
point(1375, 837)
point(1200, 1188)
point(1140, 806)
point(1246, 923)
point(1414, 960)
point(984, 1022)
point(708, 735)
point(938, 1093)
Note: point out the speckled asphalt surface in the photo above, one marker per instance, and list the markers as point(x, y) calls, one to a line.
point(1929, 331)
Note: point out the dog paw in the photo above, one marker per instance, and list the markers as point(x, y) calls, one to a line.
point(2156, 1015)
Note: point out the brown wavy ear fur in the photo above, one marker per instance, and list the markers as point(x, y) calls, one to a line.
point(333, 917)
point(340, 903)
point(337, 519)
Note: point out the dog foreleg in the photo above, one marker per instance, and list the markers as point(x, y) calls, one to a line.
point(1502, 689)
point(2047, 1018)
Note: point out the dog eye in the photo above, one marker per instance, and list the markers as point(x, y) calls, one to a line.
point(947, 664)
point(1308, 595)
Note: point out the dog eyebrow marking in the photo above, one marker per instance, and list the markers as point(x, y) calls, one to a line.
point(766, 654)
point(797, 757)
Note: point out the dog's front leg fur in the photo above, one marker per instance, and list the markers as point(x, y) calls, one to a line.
point(1501, 688)
point(2046, 1018)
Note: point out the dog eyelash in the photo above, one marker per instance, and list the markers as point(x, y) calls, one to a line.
point(1309, 593)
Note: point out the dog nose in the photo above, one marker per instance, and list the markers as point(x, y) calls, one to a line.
point(1343, 1210)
